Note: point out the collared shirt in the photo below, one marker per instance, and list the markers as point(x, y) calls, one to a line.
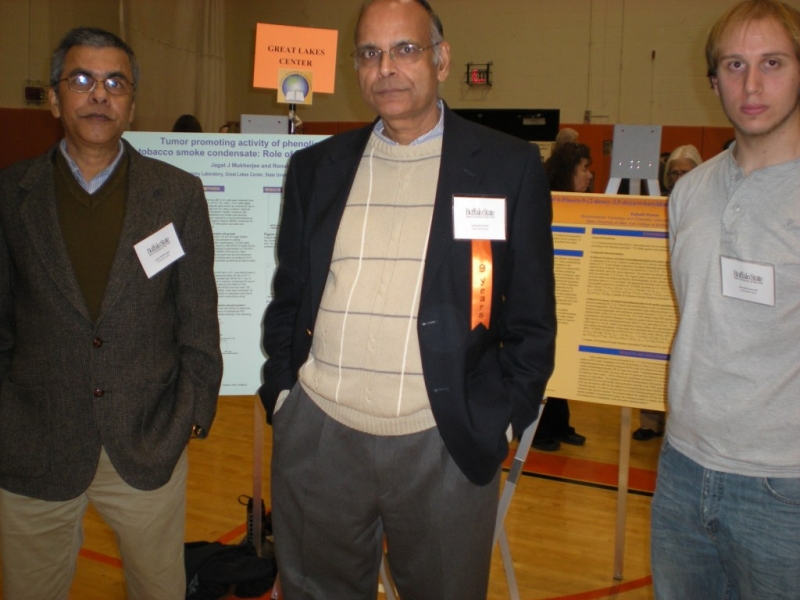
point(98, 180)
point(433, 134)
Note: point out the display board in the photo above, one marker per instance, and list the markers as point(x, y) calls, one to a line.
point(616, 311)
point(242, 177)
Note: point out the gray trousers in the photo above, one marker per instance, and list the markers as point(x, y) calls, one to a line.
point(336, 492)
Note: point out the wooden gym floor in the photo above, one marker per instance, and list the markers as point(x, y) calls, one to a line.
point(561, 524)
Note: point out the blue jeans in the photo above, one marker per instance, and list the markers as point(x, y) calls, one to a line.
point(723, 536)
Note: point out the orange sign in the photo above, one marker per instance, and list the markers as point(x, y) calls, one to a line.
point(280, 47)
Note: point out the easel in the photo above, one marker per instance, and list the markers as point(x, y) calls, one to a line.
point(292, 115)
point(634, 157)
point(259, 418)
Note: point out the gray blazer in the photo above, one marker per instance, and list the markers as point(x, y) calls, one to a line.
point(134, 381)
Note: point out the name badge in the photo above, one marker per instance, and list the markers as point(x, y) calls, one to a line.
point(750, 281)
point(479, 217)
point(156, 252)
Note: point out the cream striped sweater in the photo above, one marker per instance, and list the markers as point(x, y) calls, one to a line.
point(364, 369)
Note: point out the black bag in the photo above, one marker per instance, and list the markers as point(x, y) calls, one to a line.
point(213, 568)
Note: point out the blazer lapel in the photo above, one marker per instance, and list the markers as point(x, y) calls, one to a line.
point(38, 213)
point(460, 172)
point(141, 212)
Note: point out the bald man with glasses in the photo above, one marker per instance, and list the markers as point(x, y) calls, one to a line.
point(411, 332)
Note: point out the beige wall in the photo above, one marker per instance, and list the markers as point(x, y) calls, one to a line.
point(626, 61)
point(30, 31)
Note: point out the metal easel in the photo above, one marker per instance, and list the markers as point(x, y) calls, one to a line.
point(634, 156)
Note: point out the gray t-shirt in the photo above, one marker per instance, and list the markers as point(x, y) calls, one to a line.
point(734, 381)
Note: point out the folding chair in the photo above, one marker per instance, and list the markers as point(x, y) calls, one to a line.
point(502, 510)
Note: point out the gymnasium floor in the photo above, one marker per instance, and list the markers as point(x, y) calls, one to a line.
point(561, 524)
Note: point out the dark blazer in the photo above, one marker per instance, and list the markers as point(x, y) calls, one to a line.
point(136, 380)
point(478, 381)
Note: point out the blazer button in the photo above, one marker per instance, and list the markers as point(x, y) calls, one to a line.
point(98, 393)
point(97, 342)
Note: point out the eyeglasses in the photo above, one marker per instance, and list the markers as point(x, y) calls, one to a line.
point(83, 84)
point(404, 54)
point(675, 174)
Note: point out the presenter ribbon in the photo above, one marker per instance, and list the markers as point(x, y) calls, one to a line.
point(481, 282)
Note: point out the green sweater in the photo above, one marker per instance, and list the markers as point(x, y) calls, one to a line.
point(91, 226)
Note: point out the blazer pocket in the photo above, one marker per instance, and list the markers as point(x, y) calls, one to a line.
point(165, 419)
point(24, 429)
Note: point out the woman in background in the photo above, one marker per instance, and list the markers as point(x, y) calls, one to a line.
point(682, 160)
point(187, 124)
point(567, 170)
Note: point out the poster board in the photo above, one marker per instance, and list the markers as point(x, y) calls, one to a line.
point(242, 178)
point(616, 310)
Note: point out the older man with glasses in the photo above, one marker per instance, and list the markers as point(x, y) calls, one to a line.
point(412, 330)
point(109, 360)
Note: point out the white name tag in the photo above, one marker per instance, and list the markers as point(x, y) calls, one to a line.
point(479, 218)
point(158, 251)
point(751, 281)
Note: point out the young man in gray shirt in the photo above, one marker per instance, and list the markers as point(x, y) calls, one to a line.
point(726, 513)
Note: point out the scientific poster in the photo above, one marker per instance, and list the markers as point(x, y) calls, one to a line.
point(243, 177)
point(616, 311)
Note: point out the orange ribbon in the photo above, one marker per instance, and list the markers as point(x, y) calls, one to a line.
point(481, 282)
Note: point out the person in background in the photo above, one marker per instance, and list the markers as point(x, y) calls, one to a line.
point(726, 510)
point(109, 362)
point(230, 127)
point(187, 124)
point(567, 135)
point(681, 160)
point(567, 170)
point(405, 349)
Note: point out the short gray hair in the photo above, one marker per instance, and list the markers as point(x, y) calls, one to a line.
point(95, 38)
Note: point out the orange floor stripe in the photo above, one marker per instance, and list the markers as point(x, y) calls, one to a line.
point(233, 534)
point(101, 558)
point(585, 471)
point(609, 592)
